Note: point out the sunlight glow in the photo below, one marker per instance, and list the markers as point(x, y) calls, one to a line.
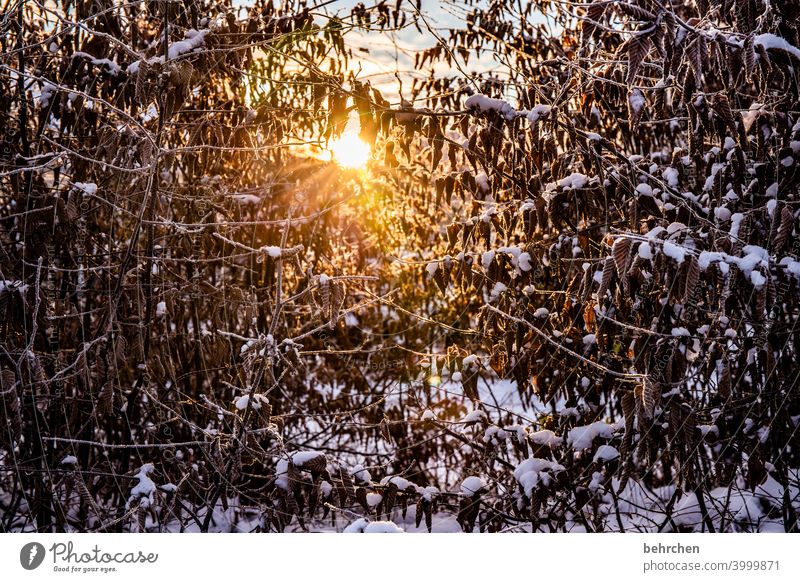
point(350, 151)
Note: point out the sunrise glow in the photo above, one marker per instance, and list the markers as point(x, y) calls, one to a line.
point(349, 151)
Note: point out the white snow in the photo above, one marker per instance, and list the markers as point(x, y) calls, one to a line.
point(483, 103)
point(582, 437)
point(533, 472)
point(282, 474)
point(470, 359)
point(675, 252)
point(69, 460)
point(302, 457)
point(472, 485)
point(363, 525)
point(708, 429)
point(722, 213)
point(401, 483)
point(360, 474)
point(498, 289)
point(636, 100)
point(272, 251)
point(573, 181)
point(772, 41)
point(474, 416)
point(736, 221)
point(772, 190)
point(145, 489)
point(538, 112)
point(546, 438)
point(671, 176)
point(113, 67)
point(524, 262)
point(606, 453)
point(645, 251)
point(88, 187)
point(193, 40)
point(241, 402)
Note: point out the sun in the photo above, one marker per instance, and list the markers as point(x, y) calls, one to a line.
point(349, 151)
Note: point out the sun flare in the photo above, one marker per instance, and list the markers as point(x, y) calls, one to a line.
point(349, 151)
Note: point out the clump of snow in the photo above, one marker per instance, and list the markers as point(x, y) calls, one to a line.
point(360, 474)
point(708, 429)
point(472, 485)
point(282, 474)
point(671, 176)
point(363, 525)
point(524, 262)
point(193, 40)
point(606, 453)
point(161, 309)
point(46, 93)
point(582, 437)
point(474, 416)
point(428, 415)
point(495, 435)
point(541, 313)
point(546, 438)
point(675, 252)
point(636, 100)
point(573, 181)
point(482, 180)
point(242, 402)
point(538, 112)
point(757, 279)
point(484, 104)
point(89, 187)
point(772, 41)
point(145, 489)
point(272, 251)
point(645, 251)
point(69, 460)
point(498, 289)
point(300, 458)
point(469, 360)
point(112, 66)
point(533, 472)
point(722, 213)
point(736, 222)
point(400, 482)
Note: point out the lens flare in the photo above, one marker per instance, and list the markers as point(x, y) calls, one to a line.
point(349, 151)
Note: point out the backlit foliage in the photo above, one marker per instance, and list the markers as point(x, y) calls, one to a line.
point(207, 325)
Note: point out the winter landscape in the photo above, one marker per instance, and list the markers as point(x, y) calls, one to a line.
point(399, 266)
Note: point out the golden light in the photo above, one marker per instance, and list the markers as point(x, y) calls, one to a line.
point(349, 151)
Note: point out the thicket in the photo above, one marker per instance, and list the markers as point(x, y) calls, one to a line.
point(206, 325)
